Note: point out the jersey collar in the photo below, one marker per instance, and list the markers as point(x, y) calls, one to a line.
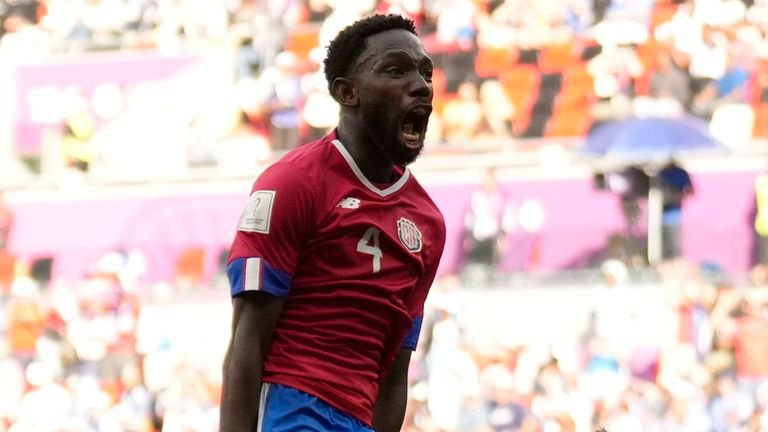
point(394, 187)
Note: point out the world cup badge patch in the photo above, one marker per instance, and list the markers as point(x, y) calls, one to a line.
point(410, 236)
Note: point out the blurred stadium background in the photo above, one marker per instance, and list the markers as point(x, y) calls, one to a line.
point(131, 131)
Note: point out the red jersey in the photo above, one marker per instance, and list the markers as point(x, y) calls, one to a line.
point(353, 260)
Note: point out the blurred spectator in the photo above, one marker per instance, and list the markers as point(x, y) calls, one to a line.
point(750, 344)
point(484, 228)
point(729, 407)
point(632, 185)
point(498, 109)
point(708, 64)
point(614, 70)
point(133, 410)
point(686, 411)
point(21, 39)
point(506, 410)
point(761, 217)
point(729, 88)
point(25, 319)
point(6, 222)
point(342, 14)
point(320, 111)
point(47, 390)
point(79, 127)
point(463, 117)
point(695, 324)
point(13, 388)
point(612, 312)
point(732, 86)
point(187, 403)
point(452, 44)
point(670, 83)
point(412, 9)
point(675, 185)
point(284, 100)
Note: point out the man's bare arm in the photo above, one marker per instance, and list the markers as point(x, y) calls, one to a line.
point(254, 318)
point(389, 411)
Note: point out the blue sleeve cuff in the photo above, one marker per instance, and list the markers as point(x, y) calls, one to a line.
point(255, 274)
point(412, 339)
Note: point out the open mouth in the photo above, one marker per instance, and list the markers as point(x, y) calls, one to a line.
point(414, 124)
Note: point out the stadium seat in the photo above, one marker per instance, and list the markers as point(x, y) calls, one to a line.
point(571, 121)
point(648, 53)
point(491, 62)
point(662, 12)
point(190, 268)
point(7, 270)
point(302, 39)
point(760, 129)
point(439, 81)
point(579, 75)
point(577, 86)
point(521, 82)
point(555, 58)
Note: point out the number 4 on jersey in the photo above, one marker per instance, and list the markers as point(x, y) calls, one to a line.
point(369, 244)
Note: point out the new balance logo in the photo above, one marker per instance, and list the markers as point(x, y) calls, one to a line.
point(349, 203)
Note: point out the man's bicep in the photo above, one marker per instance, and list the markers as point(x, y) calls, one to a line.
point(254, 316)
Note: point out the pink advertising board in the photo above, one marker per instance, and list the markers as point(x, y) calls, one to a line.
point(717, 225)
point(42, 91)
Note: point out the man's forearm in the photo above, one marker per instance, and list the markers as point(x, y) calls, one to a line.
point(389, 412)
point(241, 389)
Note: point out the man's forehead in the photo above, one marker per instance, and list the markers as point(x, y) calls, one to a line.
point(391, 41)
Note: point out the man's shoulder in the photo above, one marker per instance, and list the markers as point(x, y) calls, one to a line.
point(301, 163)
point(420, 194)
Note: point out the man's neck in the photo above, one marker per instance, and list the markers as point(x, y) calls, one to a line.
point(371, 162)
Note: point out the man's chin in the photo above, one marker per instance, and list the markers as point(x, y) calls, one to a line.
point(407, 154)
point(393, 145)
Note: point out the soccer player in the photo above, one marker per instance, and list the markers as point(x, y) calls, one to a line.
point(335, 252)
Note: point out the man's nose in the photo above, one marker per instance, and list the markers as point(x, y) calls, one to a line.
point(420, 86)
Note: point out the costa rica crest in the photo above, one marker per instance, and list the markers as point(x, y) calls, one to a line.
point(409, 234)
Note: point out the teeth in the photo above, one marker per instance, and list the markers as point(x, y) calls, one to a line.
point(412, 136)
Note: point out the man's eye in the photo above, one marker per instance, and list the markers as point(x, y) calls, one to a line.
point(395, 70)
point(427, 75)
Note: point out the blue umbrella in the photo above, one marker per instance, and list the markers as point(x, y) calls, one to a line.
point(650, 139)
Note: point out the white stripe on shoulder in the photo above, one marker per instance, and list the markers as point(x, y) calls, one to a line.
point(394, 187)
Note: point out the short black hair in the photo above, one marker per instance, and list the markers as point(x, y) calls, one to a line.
point(347, 46)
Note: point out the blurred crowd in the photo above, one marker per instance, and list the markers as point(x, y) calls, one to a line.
point(702, 369)
point(687, 355)
point(74, 357)
point(506, 69)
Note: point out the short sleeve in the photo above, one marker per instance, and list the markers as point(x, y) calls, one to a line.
point(270, 233)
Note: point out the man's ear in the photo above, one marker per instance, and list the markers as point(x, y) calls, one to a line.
point(345, 92)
